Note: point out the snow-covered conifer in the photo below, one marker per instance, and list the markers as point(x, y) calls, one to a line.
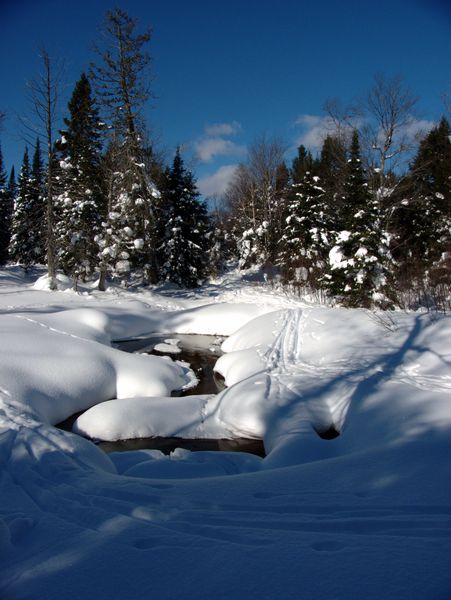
point(127, 240)
point(6, 210)
point(305, 239)
point(80, 203)
point(183, 249)
point(422, 218)
point(356, 258)
point(39, 205)
point(22, 247)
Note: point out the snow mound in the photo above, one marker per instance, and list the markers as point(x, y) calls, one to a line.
point(70, 370)
point(365, 511)
point(63, 283)
point(147, 417)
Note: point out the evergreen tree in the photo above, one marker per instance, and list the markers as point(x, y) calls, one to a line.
point(422, 218)
point(38, 206)
point(12, 188)
point(356, 259)
point(183, 250)
point(22, 248)
point(80, 203)
point(6, 210)
point(121, 84)
point(303, 163)
point(332, 169)
point(305, 242)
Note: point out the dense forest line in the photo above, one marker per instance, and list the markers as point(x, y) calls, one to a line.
point(348, 225)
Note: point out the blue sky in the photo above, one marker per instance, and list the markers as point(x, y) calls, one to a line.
point(226, 72)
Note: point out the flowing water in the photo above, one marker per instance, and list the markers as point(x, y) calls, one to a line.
point(201, 353)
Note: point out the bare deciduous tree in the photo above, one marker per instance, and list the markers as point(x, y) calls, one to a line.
point(43, 94)
point(254, 185)
point(265, 157)
point(342, 119)
point(390, 105)
point(240, 196)
point(253, 194)
point(122, 78)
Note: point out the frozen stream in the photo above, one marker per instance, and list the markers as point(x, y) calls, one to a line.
point(201, 353)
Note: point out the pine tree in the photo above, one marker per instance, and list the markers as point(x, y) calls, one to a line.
point(183, 250)
point(6, 210)
point(356, 258)
point(80, 203)
point(121, 84)
point(303, 163)
point(332, 169)
point(305, 242)
point(421, 223)
point(12, 188)
point(22, 248)
point(39, 206)
point(423, 216)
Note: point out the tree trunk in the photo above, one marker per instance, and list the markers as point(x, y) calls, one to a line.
point(102, 279)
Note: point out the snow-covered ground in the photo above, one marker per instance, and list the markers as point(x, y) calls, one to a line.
point(364, 515)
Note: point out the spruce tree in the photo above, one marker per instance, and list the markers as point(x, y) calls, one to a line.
point(12, 188)
point(80, 203)
point(356, 258)
point(183, 249)
point(305, 242)
point(22, 247)
point(121, 81)
point(332, 168)
point(6, 210)
point(39, 206)
point(422, 219)
point(421, 223)
point(302, 164)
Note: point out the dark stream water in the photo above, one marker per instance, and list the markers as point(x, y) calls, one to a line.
point(201, 352)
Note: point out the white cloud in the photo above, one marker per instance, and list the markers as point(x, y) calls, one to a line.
point(216, 184)
point(208, 148)
point(316, 128)
point(222, 129)
point(417, 127)
point(214, 142)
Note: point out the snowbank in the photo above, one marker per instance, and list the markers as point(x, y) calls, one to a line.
point(360, 514)
point(55, 366)
point(147, 417)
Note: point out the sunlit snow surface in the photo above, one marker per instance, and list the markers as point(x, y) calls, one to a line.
point(366, 515)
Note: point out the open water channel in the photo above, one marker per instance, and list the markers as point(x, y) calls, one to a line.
point(201, 353)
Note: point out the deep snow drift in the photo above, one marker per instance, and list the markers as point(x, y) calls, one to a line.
point(365, 515)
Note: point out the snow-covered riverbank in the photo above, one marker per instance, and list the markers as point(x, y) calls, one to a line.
point(315, 519)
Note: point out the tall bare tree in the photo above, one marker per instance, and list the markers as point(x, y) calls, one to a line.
point(44, 93)
point(390, 104)
point(342, 119)
point(122, 77)
point(254, 196)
